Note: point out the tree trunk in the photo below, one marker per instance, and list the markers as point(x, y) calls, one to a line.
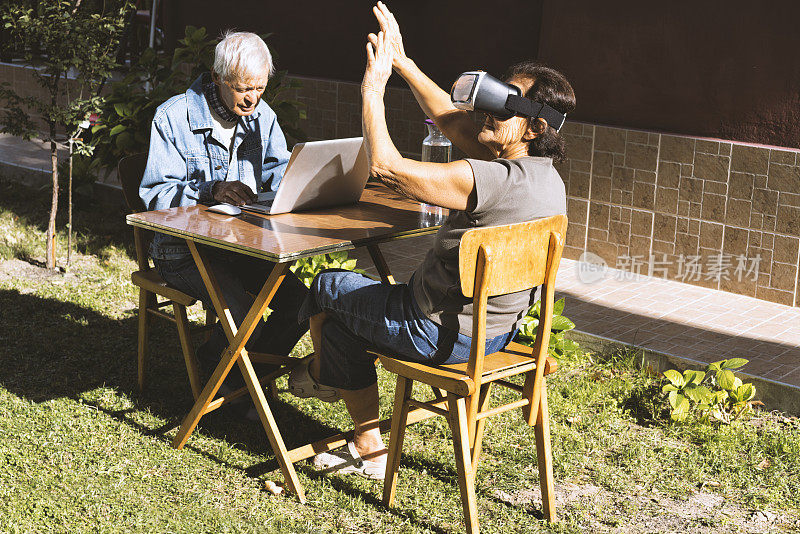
point(51, 227)
point(69, 204)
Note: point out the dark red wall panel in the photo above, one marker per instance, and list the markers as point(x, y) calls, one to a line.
point(326, 38)
point(726, 69)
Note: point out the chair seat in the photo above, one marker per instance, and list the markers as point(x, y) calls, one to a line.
point(151, 281)
point(514, 359)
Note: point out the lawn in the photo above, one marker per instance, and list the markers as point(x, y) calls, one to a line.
point(82, 450)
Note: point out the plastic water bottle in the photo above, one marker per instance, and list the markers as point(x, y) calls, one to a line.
point(438, 149)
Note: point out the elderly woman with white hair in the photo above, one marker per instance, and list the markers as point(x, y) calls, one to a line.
point(220, 142)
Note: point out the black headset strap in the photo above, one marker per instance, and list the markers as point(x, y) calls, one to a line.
point(527, 107)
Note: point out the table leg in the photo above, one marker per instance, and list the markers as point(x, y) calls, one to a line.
point(237, 353)
point(380, 264)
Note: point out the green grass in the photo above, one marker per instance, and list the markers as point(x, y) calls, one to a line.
point(81, 450)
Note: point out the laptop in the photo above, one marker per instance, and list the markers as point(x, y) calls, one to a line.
point(320, 174)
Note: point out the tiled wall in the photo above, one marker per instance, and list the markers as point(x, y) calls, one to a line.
point(705, 212)
point(21, 79)
point(334, 111)
point(702, 211)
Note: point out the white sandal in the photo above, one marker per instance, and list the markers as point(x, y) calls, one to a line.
point(348, 461)
point(303, 385)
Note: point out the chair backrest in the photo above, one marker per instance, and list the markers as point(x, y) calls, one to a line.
point(519, 254)
point(505, 259)
point(130, 170)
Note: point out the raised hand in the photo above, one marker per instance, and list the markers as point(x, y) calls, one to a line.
point(391, 29)
point(379, 65)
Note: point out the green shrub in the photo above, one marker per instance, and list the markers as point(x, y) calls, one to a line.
point(307, 268)
point(715, 394)
point(559, 347)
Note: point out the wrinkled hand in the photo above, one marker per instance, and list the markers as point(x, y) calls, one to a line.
point(379, 65)
point(389, 27)
point(235, 193)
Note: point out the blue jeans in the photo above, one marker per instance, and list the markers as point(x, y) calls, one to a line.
point(239, 278)
point(363, 313)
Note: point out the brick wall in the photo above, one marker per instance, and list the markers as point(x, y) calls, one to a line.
point(334, 111)
point(21, 79)
point(702, 211)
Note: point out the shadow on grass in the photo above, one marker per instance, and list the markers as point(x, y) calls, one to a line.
point(645, 404)
point(532, 509)
point(51, 349)
point(343, 485)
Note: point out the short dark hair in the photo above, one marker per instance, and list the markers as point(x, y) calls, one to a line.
point(552, 88)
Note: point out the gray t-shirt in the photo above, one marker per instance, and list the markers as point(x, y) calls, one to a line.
point(509, 191)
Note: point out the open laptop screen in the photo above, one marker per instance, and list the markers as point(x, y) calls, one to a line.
point(319, 174)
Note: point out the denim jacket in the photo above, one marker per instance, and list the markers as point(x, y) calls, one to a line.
point(186, 159)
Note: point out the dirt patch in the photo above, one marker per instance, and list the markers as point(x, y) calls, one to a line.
point(16, 268)
point(35, 269)
point(648, 511)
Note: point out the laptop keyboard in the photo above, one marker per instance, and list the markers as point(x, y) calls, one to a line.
point(263, 202)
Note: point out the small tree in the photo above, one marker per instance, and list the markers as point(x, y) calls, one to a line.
point(72, 48)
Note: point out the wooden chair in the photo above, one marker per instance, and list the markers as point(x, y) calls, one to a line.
point(151, 286)
point(492, 261)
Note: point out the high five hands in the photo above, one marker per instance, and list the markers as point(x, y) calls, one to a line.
point(379, 66)
point(391, 29)
point(384, 51)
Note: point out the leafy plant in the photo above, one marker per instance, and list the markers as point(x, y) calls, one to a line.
point(307, 268)
point(714, 394)
point(124, 124)
point(559, 346)
point(71, 49)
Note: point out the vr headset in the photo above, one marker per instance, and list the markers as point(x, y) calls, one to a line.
point(480, 91)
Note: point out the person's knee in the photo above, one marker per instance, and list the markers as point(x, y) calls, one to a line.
point(325, 286)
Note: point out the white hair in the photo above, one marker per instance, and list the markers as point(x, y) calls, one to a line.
point(242, 55)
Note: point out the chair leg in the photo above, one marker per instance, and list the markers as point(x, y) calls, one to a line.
point(399, 417)
point(439, 393)
point(545, 458)
point(527, 392)
point(272, 389)
point(211, 318)
point(466, 477)
point(145, 300)
point(483, 404)
point(188, 350)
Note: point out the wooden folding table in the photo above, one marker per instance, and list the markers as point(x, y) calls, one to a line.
point(380, 216)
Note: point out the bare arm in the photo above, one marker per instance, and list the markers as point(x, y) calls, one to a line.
point(450, 185)
point(456, 124)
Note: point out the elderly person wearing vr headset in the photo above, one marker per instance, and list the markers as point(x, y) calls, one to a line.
point(508, 177)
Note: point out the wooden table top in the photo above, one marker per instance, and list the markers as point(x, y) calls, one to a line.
point(381, 215)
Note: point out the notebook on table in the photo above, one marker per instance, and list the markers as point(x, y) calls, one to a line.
point(320, 174)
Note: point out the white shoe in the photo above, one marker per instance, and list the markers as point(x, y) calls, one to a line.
point(348, 461)
point(303, 385)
